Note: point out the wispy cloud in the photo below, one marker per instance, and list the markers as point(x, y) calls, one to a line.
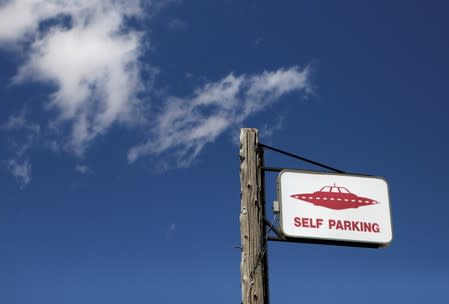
point(177, 24)
point(17, 122)
point(186, 125)
point(21, 170)
point(89, 54)
point(172, 227)
point(26, 134)
point(268, 130)
point(82, 169)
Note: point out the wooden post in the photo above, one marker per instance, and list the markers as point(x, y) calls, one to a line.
point(253, 266)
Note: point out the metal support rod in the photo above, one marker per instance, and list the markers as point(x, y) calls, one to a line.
point(274, 229)
point(272, 169)
point(261, 174)
point(300, 158)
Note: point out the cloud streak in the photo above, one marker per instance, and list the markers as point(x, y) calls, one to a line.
point(186, 125)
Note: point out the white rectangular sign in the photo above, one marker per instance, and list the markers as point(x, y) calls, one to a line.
point(334, 207)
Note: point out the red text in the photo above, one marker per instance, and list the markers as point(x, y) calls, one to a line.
point(354, 226)
point(306, 222)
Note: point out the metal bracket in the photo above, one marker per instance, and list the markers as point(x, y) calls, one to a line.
point(273, 228)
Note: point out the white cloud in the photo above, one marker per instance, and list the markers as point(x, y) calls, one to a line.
point(92, 59)
point(89, 52)
point(186, 125)
point(170, 232)
point(17, 122)
point(82, 169)
point(20, 19)
point(268, 130)
point(177, 24)
point(26, 134)
point(172, 227)
point(21, 171)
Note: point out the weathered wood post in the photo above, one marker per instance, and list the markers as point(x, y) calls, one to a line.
point(253, 266)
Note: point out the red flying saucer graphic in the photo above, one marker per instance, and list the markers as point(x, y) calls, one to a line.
point(336, 198)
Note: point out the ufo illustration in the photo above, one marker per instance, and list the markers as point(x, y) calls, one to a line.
point(334, 197)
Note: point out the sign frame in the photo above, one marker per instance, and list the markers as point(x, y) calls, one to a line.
point(329, 240)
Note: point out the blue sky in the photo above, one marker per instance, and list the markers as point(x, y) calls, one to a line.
point(119, 124)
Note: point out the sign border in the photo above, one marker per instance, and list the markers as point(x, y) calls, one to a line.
point(331, 241)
